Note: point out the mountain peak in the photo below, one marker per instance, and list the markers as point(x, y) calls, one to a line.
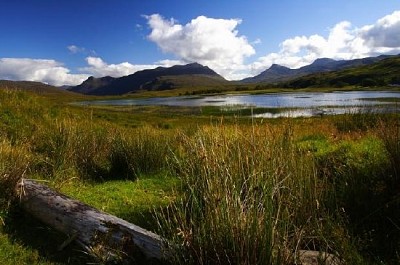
point(195, 64)
point(320, 61)
point(278, 67)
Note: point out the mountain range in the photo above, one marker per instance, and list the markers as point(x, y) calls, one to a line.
point(195, 78)
point(198, 76)
point(160, 78)
point(277, 73)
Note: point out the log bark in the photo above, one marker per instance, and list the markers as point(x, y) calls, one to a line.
point(95, 230)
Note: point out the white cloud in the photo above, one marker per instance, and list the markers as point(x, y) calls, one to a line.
point(41, 70)
point(54, 73)
point(138, 27)
point(98, 68)
point(169, 63)
point(344, 41)
point(383, 34)
point(75, 49)
point(208, 41)
point(257, 41)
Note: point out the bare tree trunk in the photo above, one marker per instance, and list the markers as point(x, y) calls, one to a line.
point(100, 233)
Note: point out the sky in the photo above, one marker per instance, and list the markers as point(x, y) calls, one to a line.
point(64, 42)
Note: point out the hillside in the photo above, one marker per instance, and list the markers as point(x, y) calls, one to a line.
point(381, 73)
point(277, 73)
point(183, 81)
point(36, 87)
point(160, 78)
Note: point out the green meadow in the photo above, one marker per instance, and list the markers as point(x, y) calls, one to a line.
point(221, 187)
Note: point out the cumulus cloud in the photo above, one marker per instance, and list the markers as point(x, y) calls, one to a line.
point(383, 34)
point(212, 42)
point(41, 70)
point(98, 68)
point(344, 41)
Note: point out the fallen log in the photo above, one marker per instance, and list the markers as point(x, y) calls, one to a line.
point(96, 231)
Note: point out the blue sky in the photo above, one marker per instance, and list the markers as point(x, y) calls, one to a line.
point(64, 42)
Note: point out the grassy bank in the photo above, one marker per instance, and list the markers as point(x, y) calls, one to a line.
point(220, 189)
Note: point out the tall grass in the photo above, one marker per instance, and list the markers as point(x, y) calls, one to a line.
point(250, 198)
point(14, 164)
point(63, 145)
point(363, 187)
point(139, 151)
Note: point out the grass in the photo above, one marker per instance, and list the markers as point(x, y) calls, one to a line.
point(222, 189)
point(134, 201)
point(251, 198)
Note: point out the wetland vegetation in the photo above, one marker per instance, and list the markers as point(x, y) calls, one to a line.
point(221, 187)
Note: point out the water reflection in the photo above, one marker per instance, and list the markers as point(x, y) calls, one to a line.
point(313, 112)
point(309, 103)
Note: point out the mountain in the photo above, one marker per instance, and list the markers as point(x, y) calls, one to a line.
point(277, 73)
point(382, 72)
point(91, 84)
point(159, 78)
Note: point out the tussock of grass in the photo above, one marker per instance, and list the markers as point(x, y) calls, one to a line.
point(142, 151)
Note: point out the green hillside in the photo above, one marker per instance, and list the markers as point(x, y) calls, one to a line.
point(36, 87)
point(382, 73)
point(39, 89)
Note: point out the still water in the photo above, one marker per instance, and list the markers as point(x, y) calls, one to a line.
point(306, 104)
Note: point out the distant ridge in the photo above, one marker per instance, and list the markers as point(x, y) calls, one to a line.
point(277, 73)
point(150, 79)
point(382, 73)
point(32, 86)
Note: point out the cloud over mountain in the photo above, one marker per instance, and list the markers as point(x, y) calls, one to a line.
point(47, 71)
point(209, 41)
point(55, 73)
point(98, 68)
point(344, 41)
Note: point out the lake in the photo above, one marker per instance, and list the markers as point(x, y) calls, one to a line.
point(300, 104)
